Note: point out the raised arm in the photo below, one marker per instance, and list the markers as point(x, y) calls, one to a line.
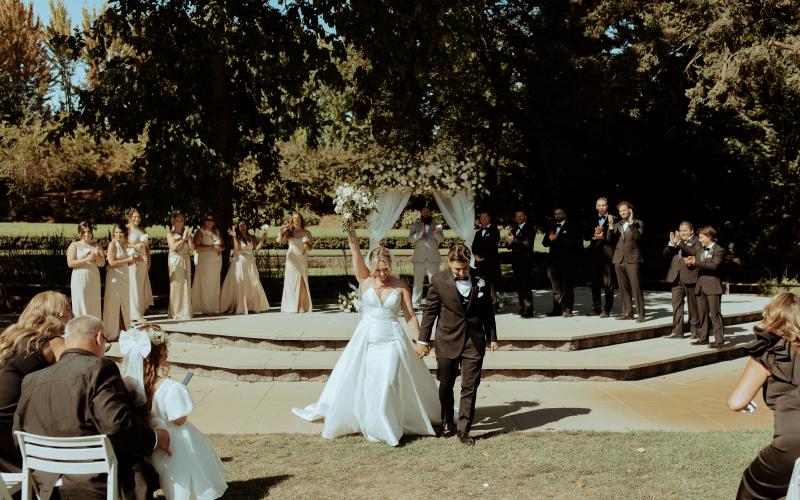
point(261, 241)
point(359, 268)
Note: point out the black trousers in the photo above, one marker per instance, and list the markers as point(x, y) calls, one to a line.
point(470, 362)
point(523, 280)
point(684, 294)
point(628, 279)
point(709, 310)
point(602, 272)
point(562, 280)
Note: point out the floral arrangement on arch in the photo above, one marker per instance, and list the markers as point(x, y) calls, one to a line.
point(447, 174)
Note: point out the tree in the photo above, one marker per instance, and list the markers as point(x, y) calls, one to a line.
point(24, 69)
point(63, 50)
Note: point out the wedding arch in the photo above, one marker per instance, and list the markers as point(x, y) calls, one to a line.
point(452, 182)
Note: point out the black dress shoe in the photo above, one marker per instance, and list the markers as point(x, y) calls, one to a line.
point(640, 319)
point(448, 430)
point(596, 312)
point(567, 314)
point(700, 342)
point(625, 316)
point(716, 345)
point(554, 313)
point(526, 314)
point(467, 440)
point(604, 314)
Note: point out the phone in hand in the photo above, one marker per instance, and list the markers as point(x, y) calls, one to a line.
point(187, 378)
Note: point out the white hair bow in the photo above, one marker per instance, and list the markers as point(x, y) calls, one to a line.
point(134, 346)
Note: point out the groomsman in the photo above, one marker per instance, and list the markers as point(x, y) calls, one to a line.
point(563, 242)
point(485, 251)
point(520, 241)
point(708, 259)
point(682, 278)
point(426, 238)
point(600, 254)
point(625, 235)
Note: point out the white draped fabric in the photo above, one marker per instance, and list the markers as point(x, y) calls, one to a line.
point(390, 208)
point(459, 212)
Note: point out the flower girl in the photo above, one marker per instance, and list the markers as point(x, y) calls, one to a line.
point(193, 471)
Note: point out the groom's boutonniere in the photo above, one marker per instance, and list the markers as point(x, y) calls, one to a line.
point(481, 284)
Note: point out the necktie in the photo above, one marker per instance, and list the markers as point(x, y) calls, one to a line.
point(465, 278)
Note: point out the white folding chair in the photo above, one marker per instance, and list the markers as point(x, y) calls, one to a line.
point(71, 456)
point(12, 482)
point(794, 483)
point(4, 493)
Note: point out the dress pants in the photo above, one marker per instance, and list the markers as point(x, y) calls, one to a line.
point(422, 269)
point(684, 294)
point(470, 361)
point(523, 281)
point(602, 271)
point(628, 279)
point(709, 307)
point(561, 279)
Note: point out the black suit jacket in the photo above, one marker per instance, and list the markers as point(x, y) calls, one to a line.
point(709, 270)
point(567, 244)
point(83, 395)
point(522, 246)
point(455, 320)
point(626, 243)
point(677, 267)
point(601, 249)
point(486, 246)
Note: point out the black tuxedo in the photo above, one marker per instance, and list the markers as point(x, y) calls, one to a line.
point(708, 289)
point(522, 263)
point(561, 261)
point(600, 267)
point(682, 278)
point(484, 245)
point(627, 258)
point(83, 395)
point(464, 325)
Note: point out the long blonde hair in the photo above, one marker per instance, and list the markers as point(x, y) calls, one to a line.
point(155, 364)
point(376, 255)
point(782, 317)
point(43, 318)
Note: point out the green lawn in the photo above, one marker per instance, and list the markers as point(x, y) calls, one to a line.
point(658, 465)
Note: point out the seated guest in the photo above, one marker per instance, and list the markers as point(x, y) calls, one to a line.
point(708, 258)
point(775, 367)
point(84, 395)
point(34, 342)
point(193, 469)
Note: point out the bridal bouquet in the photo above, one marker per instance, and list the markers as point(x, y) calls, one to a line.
point(353, 202)
point(349, 302)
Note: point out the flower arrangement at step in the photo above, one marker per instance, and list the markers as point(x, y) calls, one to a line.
point(350, 302)
point(437, 173)
point(353, 202)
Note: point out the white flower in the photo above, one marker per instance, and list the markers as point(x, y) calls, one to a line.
point(264, 227)
point(143, 238)
point(481, 283)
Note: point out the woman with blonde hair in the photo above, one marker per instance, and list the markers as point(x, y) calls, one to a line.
point(34, 342)
point(379, 386)
point(206, 286)
point(85, 258)
point(141, 293)
point(296, 295)
point(193, 469)
point(181, 247)
point(774, 368)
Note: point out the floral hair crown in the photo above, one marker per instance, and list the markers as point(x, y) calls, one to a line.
point(156, 336)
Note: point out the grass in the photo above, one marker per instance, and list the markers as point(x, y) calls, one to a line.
point(516, 465)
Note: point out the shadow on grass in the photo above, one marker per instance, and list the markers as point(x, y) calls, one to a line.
point(254, 488)
point(497, 420)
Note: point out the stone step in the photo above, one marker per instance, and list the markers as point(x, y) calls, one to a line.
point(329, 330)
point(629, 361)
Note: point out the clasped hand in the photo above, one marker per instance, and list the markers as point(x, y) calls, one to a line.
point(423, 350)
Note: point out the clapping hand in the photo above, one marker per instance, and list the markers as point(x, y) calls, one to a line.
point(610, 220)
point(232, 232)
point(509, 238)
point(437, 229)
point(631, 218)
point(690, 261)
point(552, 235)
point(674, 237)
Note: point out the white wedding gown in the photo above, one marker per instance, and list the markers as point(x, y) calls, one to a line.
point(379, 387)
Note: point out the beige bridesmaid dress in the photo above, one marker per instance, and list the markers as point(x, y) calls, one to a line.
point(206, 284)
point(117, 298)
point(295, 273)
point(180, 281)
point(141, 293)
point(242, 291)
point(85, 285)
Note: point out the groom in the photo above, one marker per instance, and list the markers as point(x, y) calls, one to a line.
point(462, 304)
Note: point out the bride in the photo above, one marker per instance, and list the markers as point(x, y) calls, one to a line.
point(379, 387)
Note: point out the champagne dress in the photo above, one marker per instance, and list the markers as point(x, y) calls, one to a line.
point(205, 288)
point(296, 270)
point(117, 299)
point(180, 280)
point(242, 290)
point(85, 285)
point(141, 293)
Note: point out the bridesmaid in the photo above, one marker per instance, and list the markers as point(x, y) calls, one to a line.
point(180, 268)
point(117, 299)
point(296, 295)
point(84, 257)
point(141, 293)
point(206, 285)
point(242, 290)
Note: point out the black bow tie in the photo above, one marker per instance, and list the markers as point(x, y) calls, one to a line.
point(465, 278)
point(707, 249)
point(559, 224)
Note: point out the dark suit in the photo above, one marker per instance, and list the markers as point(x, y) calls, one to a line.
point(602, 270)
point(522, 263)
point(682, 278)
point(463, 327)
point(627, 258)
point(561, 262)
point(708, 290)
point(83, 395)
point(484, 245)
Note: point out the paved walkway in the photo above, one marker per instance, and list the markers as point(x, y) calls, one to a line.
point(691, 400)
